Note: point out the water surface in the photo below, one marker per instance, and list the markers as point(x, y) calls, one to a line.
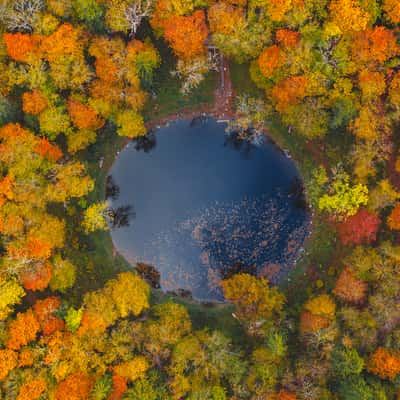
point(199, 204)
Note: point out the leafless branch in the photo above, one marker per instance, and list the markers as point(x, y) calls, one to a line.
point(192, 72)
point(134, 14)
point(22, 15)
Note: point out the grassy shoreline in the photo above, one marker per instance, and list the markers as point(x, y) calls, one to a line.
point(106, 260)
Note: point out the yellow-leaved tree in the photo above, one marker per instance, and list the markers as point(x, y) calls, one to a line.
point(256, 302)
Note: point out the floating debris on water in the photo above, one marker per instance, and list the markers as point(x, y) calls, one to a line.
point(197, 252)
point(206, 204)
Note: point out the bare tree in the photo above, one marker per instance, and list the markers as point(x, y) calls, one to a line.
point(134, 14)
point(251, 116)
point(21, 15)
point(192, 72)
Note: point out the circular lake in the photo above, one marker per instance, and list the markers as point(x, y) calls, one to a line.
point(199, 204)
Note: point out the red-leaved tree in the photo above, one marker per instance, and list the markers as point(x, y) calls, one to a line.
point(360, 228)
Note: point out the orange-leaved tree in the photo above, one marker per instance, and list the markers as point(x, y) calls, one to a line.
point(45, 313)
point(26, 357)
point(277, 9)
point(187, 34)
point(225, 18)
point(284, 395)
point(374, 46)
point(75, 387)
point(349, 288)
point(34, 102)
point(32, 389)
point(392, 10)
point(393, 219)
point(372, 84)
point(83, 116)
point(22, 330)
point(119, 387)
point(164, 9)
point(384, 363)
point(348, 15)
point(287, 38)
point(48, 150)
point(318, 313)
point(270, 59)
point(289, 91)
point(21, 46)
point(36, 277)
point(8, 361)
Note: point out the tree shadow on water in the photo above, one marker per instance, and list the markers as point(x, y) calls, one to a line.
point(149, 273)
point(146, 143)
point(235, 141)
point(198, 121)
point(297, 193)
point(121, 216)
point(237, 268)
point(112, 189)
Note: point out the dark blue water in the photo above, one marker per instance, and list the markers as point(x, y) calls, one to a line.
point(204, 204)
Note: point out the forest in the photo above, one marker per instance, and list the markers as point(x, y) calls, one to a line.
point(81, 78)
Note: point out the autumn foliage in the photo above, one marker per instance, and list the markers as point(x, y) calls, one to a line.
point(20, 46)
point(83, 116)
point(187, 34)
point(8, 361)
point(48, 150)
point(359, 228)
point(394, 218)
point(322, 305)
point(384, 363)
point(287, 38)
point(22, 330)
point(34, 102)
point(45, 313)
point(329, 71)
point(349, 288)
point(225, 18)
point(133, 369)
point(65, 41)
point(32, 390)
point(372, 84)
point(119, 387)
point(37, 277)
point(284, 395)
point(75, 387)
point(310, 323)
point(374, 46)
point(6, 189)
point(318, 314)
point(253, 297)
point(26, 357)
point(277, 9)
point(128, 294)
point(289, 92)
point(392, 10)
point(164, 9)
point(270, 59)
point(348, 15)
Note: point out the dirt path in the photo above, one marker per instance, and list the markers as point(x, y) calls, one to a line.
point(221, 109)
point(223, 106)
